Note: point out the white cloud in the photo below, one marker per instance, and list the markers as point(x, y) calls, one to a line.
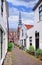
point(13, 21)
point(26, 4)
point(14, 18)
point(13, 11)
point(28, 22)
point(27, 18)
point(26, 15)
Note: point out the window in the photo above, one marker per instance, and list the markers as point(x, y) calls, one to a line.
point(22, 43)
point(40, 12)
point(30, 44)
point(37, 35)
point(22, 32)
point(30, 40)
point(1, 41)
point(2, 7)
point(25, 42)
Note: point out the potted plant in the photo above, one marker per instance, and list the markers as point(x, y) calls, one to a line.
point(31, 50)
point(10, 46)
point(27, 50)
point(38, 54)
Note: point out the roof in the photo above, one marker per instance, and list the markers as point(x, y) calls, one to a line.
point(28, 26)
point(37, 4)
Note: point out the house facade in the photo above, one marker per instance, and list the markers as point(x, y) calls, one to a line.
point(3, 30)
point(30, 38)
point(24, 35)
point(38, 24)
point(35, 34)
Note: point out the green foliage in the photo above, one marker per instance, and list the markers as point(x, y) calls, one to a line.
point(27, 50)
point(21, 47)
point(9, 46)
point(16, 45)
point(31, 49)
point(38, 52)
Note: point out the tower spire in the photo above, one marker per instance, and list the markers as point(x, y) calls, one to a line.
point(20, 21)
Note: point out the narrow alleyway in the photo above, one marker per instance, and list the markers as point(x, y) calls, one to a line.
point(20, 57)
point(23, 58)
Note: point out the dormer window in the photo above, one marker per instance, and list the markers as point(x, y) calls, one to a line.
point(40, 13)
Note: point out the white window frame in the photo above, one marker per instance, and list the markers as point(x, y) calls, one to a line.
point(40, 12)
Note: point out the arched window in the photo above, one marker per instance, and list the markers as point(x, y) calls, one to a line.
point(40, 13)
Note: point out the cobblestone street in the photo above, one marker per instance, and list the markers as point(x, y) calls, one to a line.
point(20, 57)
point(8, 59)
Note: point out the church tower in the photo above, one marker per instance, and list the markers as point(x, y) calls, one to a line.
point(19, 24)
point(20, 21)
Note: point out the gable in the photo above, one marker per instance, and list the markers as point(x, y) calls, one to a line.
point(28, 26)
point(37, 4)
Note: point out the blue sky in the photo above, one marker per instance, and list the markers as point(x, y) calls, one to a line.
point(27, 14)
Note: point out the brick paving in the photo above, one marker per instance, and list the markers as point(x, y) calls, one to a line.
point(20, 57)
point(23, 58)
point(8, 59)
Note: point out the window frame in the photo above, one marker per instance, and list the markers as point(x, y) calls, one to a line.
point(1, 43)
point(30, 40)
point(40, 11)
point(22, 32)
point(2, 7)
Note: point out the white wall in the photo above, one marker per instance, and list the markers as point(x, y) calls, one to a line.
point(3, 26)
point(36, 14)
point(38, 25)
point(24, 34)
point(31, 33)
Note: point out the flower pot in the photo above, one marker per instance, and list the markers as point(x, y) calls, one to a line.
point(32, 53)
point(40, 57)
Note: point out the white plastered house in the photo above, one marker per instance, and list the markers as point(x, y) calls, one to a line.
point(3, 30)
point(22, 37)
point(35, 33)
point(38, 24)
point(23, 34)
